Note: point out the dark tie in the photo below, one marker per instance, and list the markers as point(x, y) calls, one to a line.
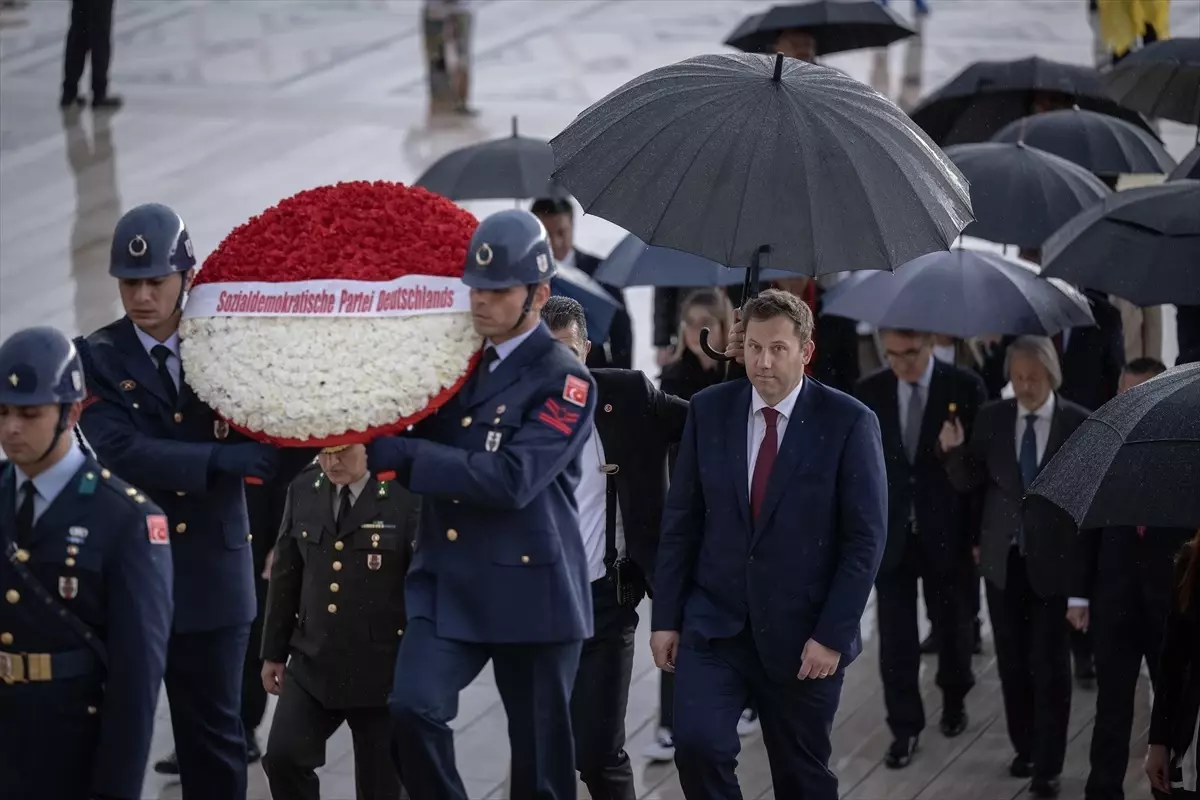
point(25, 512)
point(344, 506)
point(489, 357)
point(765, 461)
point(1029, 466)
point(912, 422)
point(161, 353)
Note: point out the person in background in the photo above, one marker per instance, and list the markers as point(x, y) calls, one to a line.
point(1173, 755)
point(558, 216)
point(1122, 594)
point(1021, 556)
point(447, 27)
point(333, 623)
point(797, 43)
point(90, 36)
point(930, 533)
point(86, 577)
point(620, 496)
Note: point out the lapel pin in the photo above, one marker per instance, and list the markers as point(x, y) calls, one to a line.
point(128, 386)
point(493, 441)
point(500, 409)
point(607, 407)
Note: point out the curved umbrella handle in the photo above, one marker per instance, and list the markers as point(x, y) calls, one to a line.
point(715, 355)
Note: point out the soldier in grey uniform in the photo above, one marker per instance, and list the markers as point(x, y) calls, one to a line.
point(334, 616)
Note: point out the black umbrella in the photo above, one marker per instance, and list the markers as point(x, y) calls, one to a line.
point(510, 168)
point(1160, 80)
point(988, 95)
point(1101, 144)
point(835, 25)
point(963, 293)
point(1136, 461)
point(1141, 244)
point(1021, 195)
point(634, 263)
point(1188, 168)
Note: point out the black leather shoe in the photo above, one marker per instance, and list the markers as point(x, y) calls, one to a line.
point(1021, 768)
point(252, 752)
point(167, 766)
point(900, 754)
point(954, 722)
point(107, 103)
point(929, 645)
point(1045, 787)
point(72, 101)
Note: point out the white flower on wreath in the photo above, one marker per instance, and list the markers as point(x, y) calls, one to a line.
point(316, 377)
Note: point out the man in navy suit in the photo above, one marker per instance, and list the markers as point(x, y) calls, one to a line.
point(773, 532)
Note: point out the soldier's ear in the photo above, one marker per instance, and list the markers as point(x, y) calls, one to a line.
point(74, 412)
point(587, 349)
point(188, 278)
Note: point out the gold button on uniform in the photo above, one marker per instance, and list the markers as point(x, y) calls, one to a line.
point(400, 632)
point(130, 491)
point(70, 562)
point(92, 709)
point(374, 537)
point(22, 556)
point(178, 417)
point(466, 422)
point(6, 638)
point(337, 566)
point(90, 476)
point(249, 537)
point(105, 474)
point(338, 545)
point(333, 587)
point(304, 534)
point(452, 534)
point(331, 608)
point(72, 550)
point(181, 494)
point(12, 596)
point(181, 527)
point(524, 559)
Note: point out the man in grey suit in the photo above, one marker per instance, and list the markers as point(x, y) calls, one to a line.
point(1021, 555)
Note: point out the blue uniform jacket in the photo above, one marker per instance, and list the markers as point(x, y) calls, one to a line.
point(102, 550)
point(166, 453)
point(499, 557)
point(805, 568)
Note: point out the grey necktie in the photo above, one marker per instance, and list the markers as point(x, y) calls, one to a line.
point(912, 422)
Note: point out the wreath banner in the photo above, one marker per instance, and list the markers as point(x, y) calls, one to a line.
point(409, 295)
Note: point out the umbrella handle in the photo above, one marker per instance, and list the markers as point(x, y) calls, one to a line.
point(715, 355)
point(749, 289)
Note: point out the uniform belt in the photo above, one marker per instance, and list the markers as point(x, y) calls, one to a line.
point(41, 667)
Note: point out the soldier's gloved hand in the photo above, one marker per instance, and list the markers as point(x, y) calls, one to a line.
point(391, 453)
point(249, 460)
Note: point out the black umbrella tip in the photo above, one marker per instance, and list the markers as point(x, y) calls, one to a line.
point(778, 67)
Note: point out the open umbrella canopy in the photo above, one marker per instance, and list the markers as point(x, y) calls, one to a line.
point(635, 263)
point(514, 167)
point(1160, 80)
point(988, 95)
point(1189, 167)
point(1021, 195)
point(598, 305)
point(836, 25)
point(723, 155)
point(1141, 244)
point(1101, 144)
point(1136, 461)
point(963, 293)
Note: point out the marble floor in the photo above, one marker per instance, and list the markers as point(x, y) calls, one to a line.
point(232, 105)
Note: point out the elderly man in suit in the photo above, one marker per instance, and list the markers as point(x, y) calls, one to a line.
point(929, 534)
point(622, 485)
point(1021, 555)
point(774, 528)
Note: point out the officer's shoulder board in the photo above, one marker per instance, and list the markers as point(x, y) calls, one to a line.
point(97, 480)
point(311, 476)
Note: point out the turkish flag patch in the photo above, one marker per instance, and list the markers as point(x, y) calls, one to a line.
point(558, 417)
point(156, 525)
point(575, 391)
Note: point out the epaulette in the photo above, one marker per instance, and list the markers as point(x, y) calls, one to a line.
point(100, 479)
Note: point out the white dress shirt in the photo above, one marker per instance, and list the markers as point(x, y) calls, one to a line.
point(355, 490)
point(50, 484)
point(592, 498)
point(174, 364)
point(756, 425)
point(505, 349)
point(904, 392)
point(1041, 426)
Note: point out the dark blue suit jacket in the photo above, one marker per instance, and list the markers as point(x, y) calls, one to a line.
point(92, 550)
point(499, 557)
point(133, 429)
point(806, 568)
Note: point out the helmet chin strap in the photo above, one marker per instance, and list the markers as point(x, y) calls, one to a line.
point(63, 412)
point(526, 308)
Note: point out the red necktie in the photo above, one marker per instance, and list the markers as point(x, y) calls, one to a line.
point(1141, 529)
point(765, 461)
